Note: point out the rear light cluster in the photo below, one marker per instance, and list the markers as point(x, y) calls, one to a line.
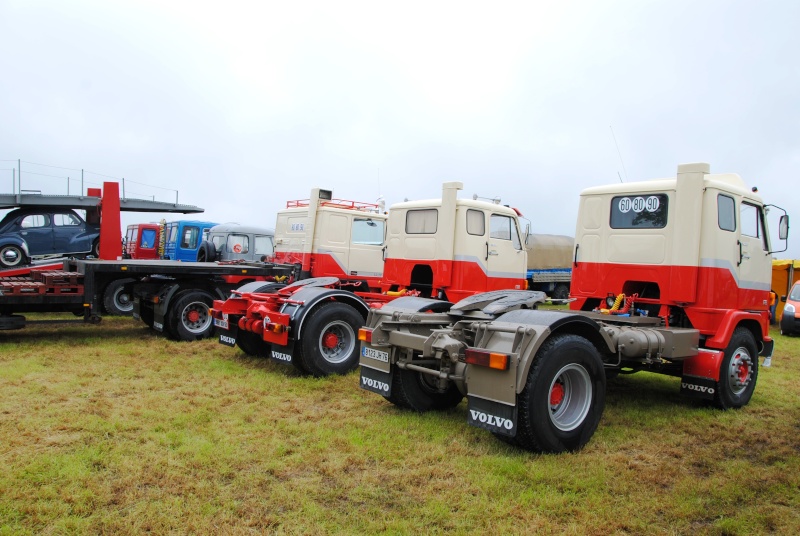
point(273, 327)
point(485, 358)
point(365, 335)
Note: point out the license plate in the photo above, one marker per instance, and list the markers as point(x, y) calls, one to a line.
point(372, 353)
point(222, 322)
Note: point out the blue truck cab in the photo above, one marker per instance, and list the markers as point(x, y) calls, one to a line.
point(183, 239)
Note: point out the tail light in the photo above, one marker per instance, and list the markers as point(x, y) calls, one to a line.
point(485, 358)
point(273, 327)
point(365, 335)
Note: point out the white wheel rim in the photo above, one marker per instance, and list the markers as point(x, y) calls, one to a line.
point(570, 397)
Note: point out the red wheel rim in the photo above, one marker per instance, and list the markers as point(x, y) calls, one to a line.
point(330, 340)
point(557, 394)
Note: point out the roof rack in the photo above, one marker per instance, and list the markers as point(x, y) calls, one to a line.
point(337, 203)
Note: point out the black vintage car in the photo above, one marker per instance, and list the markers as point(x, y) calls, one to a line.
point(31, 232)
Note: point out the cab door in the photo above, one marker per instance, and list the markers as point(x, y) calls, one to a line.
point(754, 261)
point(507, 259)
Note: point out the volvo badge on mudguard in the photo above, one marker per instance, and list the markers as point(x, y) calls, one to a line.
point(492, 416)
point(228, 336)
point(282, 354)
point(376, 381)
point(697, 387)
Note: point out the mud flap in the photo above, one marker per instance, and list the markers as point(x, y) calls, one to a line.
point(282, 354)
point(697, 387)
point(493, 416)
point(228, 336)
point(377, 381)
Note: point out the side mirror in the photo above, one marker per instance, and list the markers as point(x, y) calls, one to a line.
point(783, 299)
point(783, 227)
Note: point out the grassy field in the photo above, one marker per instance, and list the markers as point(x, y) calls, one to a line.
point(112, 429)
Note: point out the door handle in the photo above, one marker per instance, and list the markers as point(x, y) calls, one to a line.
point(493, 252)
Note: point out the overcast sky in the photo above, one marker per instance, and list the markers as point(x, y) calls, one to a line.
point(240, 106)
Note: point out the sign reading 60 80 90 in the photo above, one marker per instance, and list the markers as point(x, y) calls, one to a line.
point(639, 211)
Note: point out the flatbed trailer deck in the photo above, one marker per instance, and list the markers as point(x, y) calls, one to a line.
point(83, 286)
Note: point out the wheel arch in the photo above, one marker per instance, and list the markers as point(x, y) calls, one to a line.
point(312, 298)
point(10, 240)
point(548, 324)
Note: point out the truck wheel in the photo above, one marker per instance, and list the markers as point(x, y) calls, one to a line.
point(251, 344)
point(418, 392)
point(189, 318)
point(561, 292)
point(329, 343)
point(738, 372)
point(117, 298)
point(563, 399)
point(11, 256)
point(8, 322)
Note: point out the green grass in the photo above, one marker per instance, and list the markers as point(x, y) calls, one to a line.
point(112, 429)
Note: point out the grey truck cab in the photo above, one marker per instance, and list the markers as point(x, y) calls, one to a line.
point(234, 242)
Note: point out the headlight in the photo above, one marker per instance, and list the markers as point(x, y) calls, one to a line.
point(788, 308)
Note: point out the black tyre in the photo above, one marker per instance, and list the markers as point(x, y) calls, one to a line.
point(207, 252)
point(561, 292)
point(329, 342)
point(738, 372)
point(189, 318)
point(251, 344)
point(9, 322)
point(12, 256)
point(419, 392)
point(118, 297)
point(563, 399)
point(96, 248)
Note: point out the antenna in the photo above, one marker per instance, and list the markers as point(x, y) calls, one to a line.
point(620, 155)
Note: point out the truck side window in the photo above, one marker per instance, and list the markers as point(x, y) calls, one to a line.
point(647, 211)
point(367, 231)
point(263, 245)
point(726, 213)
point(750, 220)
point(503, 227)
point(190, 235)
point(423, 221)
point(753, 223)
point(238, 243)
point(476, 222)
point(148, 238)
